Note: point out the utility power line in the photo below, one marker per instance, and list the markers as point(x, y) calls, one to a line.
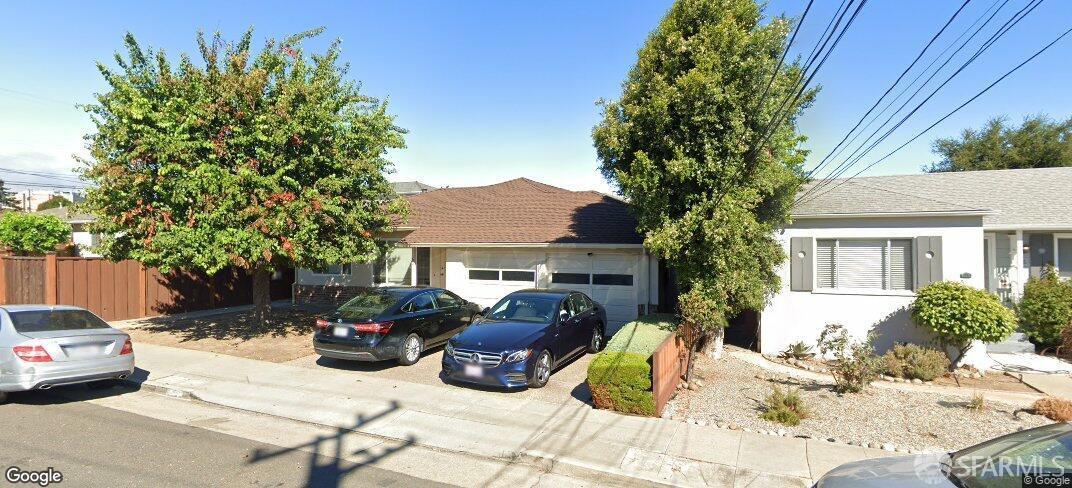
point(892, 86)
point(864, 148)
point(946, 116)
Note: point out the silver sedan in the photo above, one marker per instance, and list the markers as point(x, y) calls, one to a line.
point(1041, 456)
point(42, 346)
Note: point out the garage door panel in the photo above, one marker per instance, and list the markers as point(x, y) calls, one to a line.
point(612, 281)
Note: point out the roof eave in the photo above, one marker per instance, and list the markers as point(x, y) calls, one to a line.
point(863, 215)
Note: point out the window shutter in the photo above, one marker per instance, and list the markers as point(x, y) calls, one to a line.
point(928, 260)
point(825, 263)
point(800, 263)
point(861, 264)
point(901, 264)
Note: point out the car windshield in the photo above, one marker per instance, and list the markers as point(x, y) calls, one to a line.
point(1002, 461)
point(368, 304)
point(53, 320)
point(540, 310)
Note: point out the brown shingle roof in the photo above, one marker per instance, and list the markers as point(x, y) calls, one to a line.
point(519, 211)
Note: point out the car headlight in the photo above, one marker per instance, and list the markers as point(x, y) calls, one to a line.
point(449, 350)
point(518, 356)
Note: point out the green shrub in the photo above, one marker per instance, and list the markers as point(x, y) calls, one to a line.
point(1046, 308)
point(27, 233)
point(619, 377)
point(854, 364)
point(784, 407)
point(912, 362)
point(621, 381)
point(958, 314)
point(643, 335)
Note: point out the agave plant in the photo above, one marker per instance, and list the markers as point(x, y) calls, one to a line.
point(798, 350)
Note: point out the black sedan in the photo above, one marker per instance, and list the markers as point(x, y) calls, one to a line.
point(524, 337)
point(392, 323)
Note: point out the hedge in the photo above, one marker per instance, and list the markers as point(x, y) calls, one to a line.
point(643, 335)
point(1046, 309)
point(619, 377)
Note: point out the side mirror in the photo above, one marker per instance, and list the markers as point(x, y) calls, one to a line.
point(563, 316)
point(486, 311)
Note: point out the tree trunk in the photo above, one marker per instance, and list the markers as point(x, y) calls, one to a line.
point(262, 299)
point(714, 343)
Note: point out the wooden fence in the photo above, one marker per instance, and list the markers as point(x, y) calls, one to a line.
point(125, 290)
point(668, 364)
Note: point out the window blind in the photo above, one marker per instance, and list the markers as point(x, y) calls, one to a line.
point(868, 264)
point(900, 264)
point(860, 264)
point(825, 262)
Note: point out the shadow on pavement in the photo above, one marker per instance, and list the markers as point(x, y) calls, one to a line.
point(72, 393)
point(374, 366)
point(329, 461)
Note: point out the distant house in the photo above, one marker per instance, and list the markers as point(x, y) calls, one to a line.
point(484, 242)
point(858, 252)
point(411, 187)
point(85, 241)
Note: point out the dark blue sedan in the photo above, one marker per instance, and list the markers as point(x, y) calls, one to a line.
point(524, 337)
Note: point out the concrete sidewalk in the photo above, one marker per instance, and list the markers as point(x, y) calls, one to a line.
point(569, 438)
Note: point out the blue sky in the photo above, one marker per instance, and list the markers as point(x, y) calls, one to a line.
point(493, 90)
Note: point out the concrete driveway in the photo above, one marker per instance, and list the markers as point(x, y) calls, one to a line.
point(567, 384)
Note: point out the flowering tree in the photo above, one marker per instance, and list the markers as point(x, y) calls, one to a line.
point(260, 160)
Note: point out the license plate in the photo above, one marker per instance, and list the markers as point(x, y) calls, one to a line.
point(474, 371)
point(76, 352)
point(341, 331)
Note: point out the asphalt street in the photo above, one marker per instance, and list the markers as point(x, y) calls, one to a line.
point(92, 445)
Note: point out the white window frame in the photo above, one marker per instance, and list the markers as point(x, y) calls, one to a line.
point(886, 279)
point(1057, 252)
point(535, 275)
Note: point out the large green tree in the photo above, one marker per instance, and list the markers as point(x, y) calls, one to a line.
point(259, 159)
point(54, 201)
point(1039, 142)
point(686, 145)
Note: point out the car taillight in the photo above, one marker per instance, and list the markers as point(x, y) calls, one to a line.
point(322, 324)
point(32, 354)
point(128, 348)
point(375, 327)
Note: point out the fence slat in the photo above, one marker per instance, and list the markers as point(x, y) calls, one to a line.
point(123, 290)
point(668, 364)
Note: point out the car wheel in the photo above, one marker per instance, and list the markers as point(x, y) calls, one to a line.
point(542, 371)
point(595, 344)
point(412, 347)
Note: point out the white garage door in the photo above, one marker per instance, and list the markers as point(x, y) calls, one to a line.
point(610, 279)
point(489, 275)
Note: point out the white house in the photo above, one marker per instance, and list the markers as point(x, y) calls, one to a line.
point(85, 241)
point(487, 241)
point(858, 251)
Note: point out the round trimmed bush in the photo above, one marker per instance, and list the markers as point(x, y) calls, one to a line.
point(1046, 309)
point(958, 314)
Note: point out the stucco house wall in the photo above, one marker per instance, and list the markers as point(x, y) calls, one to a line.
point(801, 315)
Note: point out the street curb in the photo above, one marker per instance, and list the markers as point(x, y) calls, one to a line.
point(167, 391)
point(553, 463)
point(546, 462)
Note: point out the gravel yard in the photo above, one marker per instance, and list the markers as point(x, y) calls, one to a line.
point(734, 390)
